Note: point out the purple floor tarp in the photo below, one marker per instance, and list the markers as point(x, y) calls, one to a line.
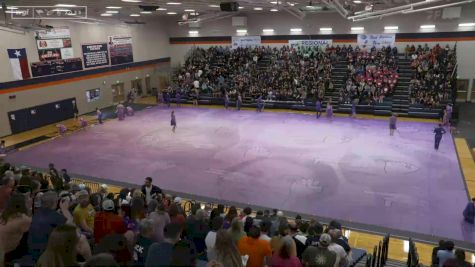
point(348, 169)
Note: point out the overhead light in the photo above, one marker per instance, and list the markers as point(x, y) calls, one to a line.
point(326, 29)
point(112, 11)
point(296, 30)
point(290, 3)
point(357, 1)
point(213, 5)
point(171, 13)
point(106, 15)
point(427, 27)
point(194, 13)
point(357, 28)
point(132, 1)
point(174, 3)
point(114, 7)
point(193, 32)
point(391, 27)
point(61, 10)
point(276, 2)
point(161, 9)
point(258, 8)
point(468, 24)
point(65, 5)
point(241, 31)
point(12, 8)
point(145, 12)
point(268, 30)
point(274, 10)
point(189, 10)
point(135, 15)
point(241, 7)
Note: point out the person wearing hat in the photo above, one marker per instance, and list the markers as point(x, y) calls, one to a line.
point(469, 212)
point(319, 256)
point(107, 221)
point(84, 213)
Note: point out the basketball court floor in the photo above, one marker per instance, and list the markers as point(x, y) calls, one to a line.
point(347, 169)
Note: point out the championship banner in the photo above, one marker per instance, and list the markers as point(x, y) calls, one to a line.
point(95, 55)
point(310, 43)
point(246, 41)
point(54, 44)
point(376, 40)
point(51, 67)
point(120, 49)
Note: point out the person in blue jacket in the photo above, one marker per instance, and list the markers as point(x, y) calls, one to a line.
point(439, 131)
point(469, 212)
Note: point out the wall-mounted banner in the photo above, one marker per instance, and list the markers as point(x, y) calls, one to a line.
point(376, 40)
point(51, 67)
point(54, 44)
point(246, 41)
point(310, 43)
point(95, 55)
point(19, 63)
point(120, 49)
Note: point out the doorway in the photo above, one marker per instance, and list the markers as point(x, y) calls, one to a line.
point(118, 92)
point(148, 87)
point(137, 84)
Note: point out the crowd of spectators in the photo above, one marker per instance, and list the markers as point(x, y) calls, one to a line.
point(432, 82)
point(372, 75)
point(288, 73)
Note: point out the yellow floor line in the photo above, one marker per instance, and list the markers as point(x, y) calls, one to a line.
point(467, 164)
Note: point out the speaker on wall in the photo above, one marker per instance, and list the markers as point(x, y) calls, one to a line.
point(229, 6)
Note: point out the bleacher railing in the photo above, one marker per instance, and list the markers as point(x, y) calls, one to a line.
point(380, 254)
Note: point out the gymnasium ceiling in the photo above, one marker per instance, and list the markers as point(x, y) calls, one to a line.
point(208, 10)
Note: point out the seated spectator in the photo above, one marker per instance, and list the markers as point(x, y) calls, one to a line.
point(458, 261)
point(15, 221)
point(282, 257)
point(435, 260)
point(319, 255)
point(343, 259)
point(61, 249)
point(210, 240)
point(259, 251)
point(446, 252)
point(45, 220)
point(160, 254)
point(144, 241)
point(237, 230)
point(227, 252)
point(107, 222)
point(84, 214)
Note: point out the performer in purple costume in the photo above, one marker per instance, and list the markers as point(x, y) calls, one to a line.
point(318, 108)
point(130, 111)
point(120, 111)
point(61, 129)
point(329, 110)
point(173, 121)
point(99, 115)
point(392, 124)
point(82, 123)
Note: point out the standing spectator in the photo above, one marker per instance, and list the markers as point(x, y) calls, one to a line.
point(458, 261)
point(314, 232)
point(298, 239)
point(44, 220)
point(319, 255)
point(283, 256)
point(160, 254)
point(144, 241)
point(3, 148)
point(107, 222)
point(84, 214)
point(265, 228)
point(149, 190)
point(176, 215)
point(160, 218)
point(237, 230)
point(259, 251)
point(14, 222)
point(232, 213)
point(210, 240)
point(246, 213)
point(469, 212)
point(342, 258)
point(6, 189)
point(66, 177)
point(435, 260)
point(61, 249)
point(446, 252)
point(227, 251)
point(56, 179)
point(197, 231)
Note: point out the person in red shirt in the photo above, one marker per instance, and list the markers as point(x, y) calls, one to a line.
point(259, 251)
point(107, 222)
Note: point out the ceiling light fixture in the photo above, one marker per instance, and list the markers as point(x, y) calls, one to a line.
point(132, 1)
point(135, 15)
point(65, 5)
point(357, 1)
point(174, 3)
point(296, 30)
point(145, 12)
point(268, 30)
point(114, 7)
point(171, 13)
point(112, 11)
point(274, 10)
point(391, 27)
point(427, 27)
point(258, 8)
point(241, 31)
point(328, 29)
point(189, 10)
point(213, 5)
point(467, 24)
point(241, 7)
point(357, 28)
point(161, 9)
point(106, 15)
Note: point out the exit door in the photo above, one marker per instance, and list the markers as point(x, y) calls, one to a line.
point(118, 92)
point(137, 84)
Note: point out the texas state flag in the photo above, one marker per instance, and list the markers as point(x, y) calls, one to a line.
point(19, 63)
